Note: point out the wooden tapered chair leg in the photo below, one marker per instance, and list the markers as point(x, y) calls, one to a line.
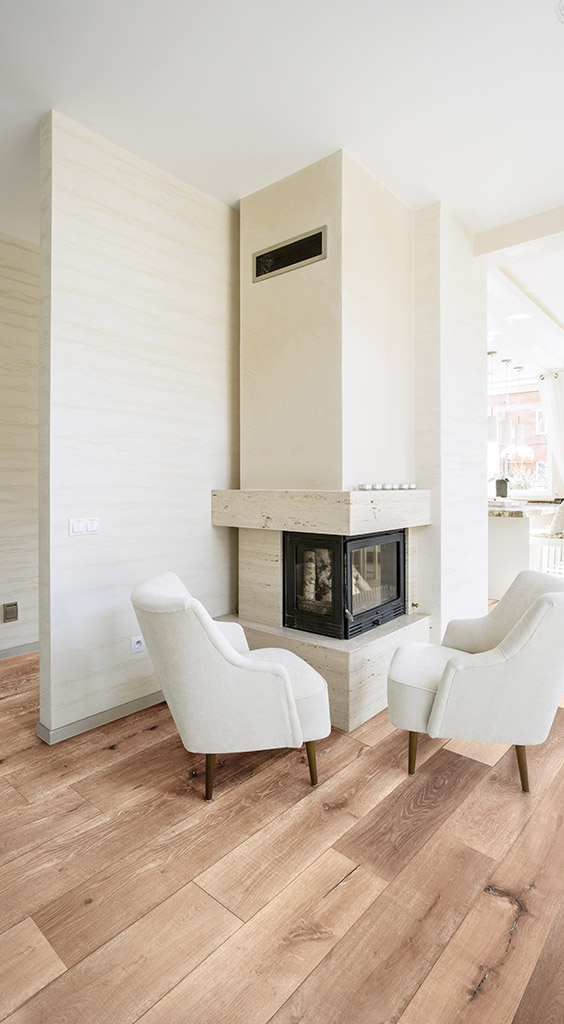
point(312, 762)
point(412, 753)
point(523, 771)
point(210, 770)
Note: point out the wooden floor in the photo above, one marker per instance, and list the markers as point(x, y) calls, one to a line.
point(375, 898)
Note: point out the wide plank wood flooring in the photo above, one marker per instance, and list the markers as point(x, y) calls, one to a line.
point(372, 899)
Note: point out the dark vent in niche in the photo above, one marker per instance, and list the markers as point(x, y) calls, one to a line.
point(296, 252)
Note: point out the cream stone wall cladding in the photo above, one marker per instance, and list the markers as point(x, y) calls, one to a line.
point(139, 410)
point(327, 349)
point(291, 389)
point(377, 360)
point(260, 576)
point(19, 343)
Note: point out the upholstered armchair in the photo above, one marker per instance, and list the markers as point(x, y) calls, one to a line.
point(498, 679)
point(223, 697)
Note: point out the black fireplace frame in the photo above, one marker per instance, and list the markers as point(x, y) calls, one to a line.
point(341, 623)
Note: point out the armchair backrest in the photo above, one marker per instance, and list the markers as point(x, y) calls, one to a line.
point(518, 599)
point(510, 693)
point(220, 700)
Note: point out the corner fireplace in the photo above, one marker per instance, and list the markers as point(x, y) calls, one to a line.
point(343, 586)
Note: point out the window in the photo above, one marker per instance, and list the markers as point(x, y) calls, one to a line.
point(540, 426)
point(525, 461)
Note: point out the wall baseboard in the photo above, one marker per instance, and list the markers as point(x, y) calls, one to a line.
point(64, 732)
point(12, 652)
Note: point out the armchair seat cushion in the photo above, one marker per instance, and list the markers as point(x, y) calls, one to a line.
point(308, 688)
point(415, 674)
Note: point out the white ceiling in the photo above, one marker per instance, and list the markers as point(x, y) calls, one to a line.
point(526, 308)
point(458, 100)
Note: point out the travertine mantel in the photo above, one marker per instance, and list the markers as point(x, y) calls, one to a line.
point(344, 513)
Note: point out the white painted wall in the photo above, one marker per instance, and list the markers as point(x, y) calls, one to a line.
point(450, 414)
point(139, 407)
point(19, 309)
point(291, 387)
point(378, 444)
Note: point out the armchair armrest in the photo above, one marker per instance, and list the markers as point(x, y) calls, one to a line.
point(235, 634)
point(510, 693)
point(466, 635)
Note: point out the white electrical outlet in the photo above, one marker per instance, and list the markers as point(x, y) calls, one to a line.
point(136, 645)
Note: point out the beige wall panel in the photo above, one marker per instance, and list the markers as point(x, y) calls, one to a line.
point(377, 332)
point(19, 311)
point(450, 415)
point(260, 576)
point(464, 430)
point(291, 337)
point(140, 341)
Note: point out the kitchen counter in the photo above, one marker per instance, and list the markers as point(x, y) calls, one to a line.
point(506, 509)
point(509, 526)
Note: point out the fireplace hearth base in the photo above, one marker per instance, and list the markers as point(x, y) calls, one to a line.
point(356, 670)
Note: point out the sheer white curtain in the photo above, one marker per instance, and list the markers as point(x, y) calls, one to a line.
point(551, 387)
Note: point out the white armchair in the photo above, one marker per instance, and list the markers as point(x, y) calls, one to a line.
point(498, 679)
point(223, 697)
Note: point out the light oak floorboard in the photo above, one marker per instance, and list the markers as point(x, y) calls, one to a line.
point(169, 765)
point(29, 825)
point(121, 980)
point(27, 964)
point(91, 913)
point(389, 836)
point(9, 797)
point(246, 879)
point(17, 734)
point(19, 678)
point(62, 863)
point(63, 764)
point(484, 970)
point(495, 812)
point(374, 730)
point(137, 943)
point(487, 753)
point(380, 963)
point(251, 975)
point(543, 999)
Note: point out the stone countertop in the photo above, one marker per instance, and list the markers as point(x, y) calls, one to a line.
point(518, 510)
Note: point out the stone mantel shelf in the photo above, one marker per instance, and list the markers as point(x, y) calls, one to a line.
point(343, 513)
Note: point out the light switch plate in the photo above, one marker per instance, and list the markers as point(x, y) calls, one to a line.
point(78, 527)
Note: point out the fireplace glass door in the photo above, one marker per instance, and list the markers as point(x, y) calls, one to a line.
point(313, 591)
point(343, 586)
point(374, 576)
